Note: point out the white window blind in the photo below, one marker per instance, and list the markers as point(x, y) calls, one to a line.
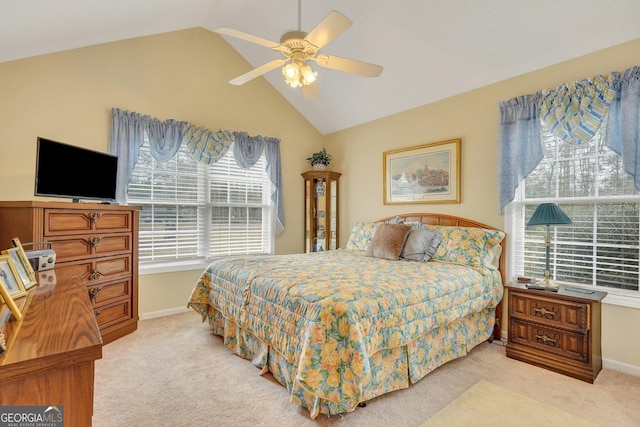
point(241, 208)
point(602, 248)
point(196, 212)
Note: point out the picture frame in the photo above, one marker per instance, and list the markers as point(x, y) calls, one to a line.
point(23, 266)
point(8, 300)
point(428, 173)
point(11, 278)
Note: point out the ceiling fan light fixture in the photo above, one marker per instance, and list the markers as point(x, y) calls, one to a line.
point(299, 74)
point(308, 75)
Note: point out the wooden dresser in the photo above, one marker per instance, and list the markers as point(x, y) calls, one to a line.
point(558, 331)
point(96, 243)
point(51, 352)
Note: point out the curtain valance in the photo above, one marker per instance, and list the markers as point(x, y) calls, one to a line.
point(573, 112)
point(165, 138)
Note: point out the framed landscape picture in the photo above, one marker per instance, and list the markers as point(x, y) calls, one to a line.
point(427, 173)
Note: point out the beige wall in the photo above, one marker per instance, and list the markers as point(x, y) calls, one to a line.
point(473, 117)
point(68, 96)
point(183, 75)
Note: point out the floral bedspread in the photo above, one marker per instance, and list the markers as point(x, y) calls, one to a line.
point(328, 313)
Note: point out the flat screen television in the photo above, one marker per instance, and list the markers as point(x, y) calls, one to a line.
point(64, 170)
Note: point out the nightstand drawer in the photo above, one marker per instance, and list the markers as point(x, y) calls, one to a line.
point(570, 315)
point(567, 344)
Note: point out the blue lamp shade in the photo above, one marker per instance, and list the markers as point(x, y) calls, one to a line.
point(549, 214)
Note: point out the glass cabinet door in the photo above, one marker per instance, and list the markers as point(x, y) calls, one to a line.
point(321, 210)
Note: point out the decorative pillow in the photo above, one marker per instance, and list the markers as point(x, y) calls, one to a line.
point(415, 224)
point(468, 245)
point(494, 257)
point(361, 234)
point(421, 244)
point(388, 241)
point(395, 220)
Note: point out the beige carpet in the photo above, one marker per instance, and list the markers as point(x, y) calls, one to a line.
point(489, 405)
point(173, 372)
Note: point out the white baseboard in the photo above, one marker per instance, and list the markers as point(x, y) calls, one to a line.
point(621, 367)
point(162, 313)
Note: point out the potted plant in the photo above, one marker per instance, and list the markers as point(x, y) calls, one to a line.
point(320, 160)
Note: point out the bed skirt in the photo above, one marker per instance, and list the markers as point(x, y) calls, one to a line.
point(391, 368)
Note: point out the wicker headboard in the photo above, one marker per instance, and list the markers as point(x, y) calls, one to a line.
point(442, 219)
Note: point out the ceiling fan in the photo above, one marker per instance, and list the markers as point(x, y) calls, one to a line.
point(298, 48)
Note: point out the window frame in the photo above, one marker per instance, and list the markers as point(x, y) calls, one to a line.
point(204, 217)
point(515, 223)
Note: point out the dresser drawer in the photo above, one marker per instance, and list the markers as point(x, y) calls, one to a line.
point(570, 345)
point(108, 315)
point(94, 271)
point(62, 222)
point(70, 248)
point(570, 315)
point(108, 292)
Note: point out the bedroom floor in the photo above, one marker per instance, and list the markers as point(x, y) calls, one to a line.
point(174, 372)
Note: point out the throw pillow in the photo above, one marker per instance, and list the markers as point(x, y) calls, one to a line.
point(388, 241)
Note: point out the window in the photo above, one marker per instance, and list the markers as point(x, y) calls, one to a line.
point(193, 212)
point(601, 248)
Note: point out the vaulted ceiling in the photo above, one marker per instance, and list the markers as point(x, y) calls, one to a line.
point(430, 49)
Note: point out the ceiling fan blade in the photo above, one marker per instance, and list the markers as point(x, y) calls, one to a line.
point(349, 65)
point(311, 91)
point(257, 72)
point(328, 29)
point(246, 36)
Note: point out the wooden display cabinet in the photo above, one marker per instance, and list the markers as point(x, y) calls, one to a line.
point(321, 225)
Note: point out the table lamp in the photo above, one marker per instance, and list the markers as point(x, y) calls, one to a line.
point(548, 214)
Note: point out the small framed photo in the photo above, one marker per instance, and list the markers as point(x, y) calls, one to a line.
point(24, 268)
point(11, 278)
point(8, 300)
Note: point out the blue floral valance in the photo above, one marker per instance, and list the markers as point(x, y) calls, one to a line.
point(128, 130)
point(573, 112)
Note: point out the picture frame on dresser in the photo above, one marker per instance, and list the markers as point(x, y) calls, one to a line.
point(24, 268)
point(8, 300)
point(11, 278)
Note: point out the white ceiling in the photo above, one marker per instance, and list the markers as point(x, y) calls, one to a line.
point(430, 49)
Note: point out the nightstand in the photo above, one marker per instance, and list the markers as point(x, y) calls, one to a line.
point(559, 331)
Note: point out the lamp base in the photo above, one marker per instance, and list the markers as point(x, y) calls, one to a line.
point(540, 287)
point(545, 284)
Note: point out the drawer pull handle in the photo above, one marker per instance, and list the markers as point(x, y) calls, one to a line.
point(94, 292)
point(94, 241)
point(543, 312)
point(95, 216)
point(96, 313)
point(546, 340)
point(95, 275)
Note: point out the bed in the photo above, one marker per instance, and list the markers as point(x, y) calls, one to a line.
point(338, 328)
